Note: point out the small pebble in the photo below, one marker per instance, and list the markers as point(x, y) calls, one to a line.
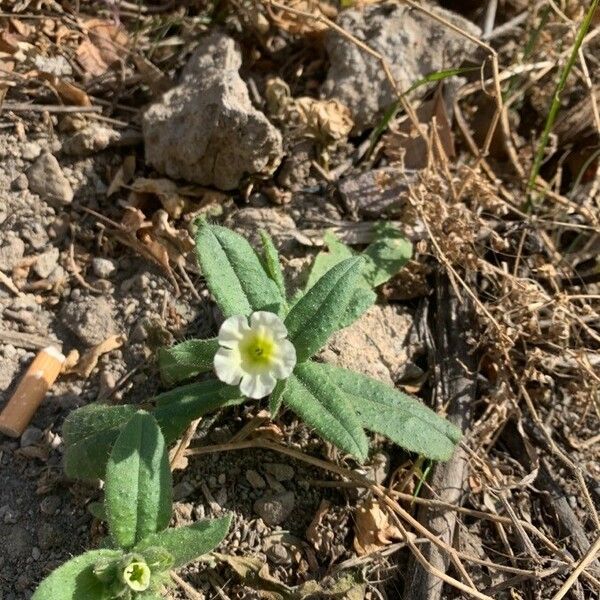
point(182, 490)
point(280, 471)
point(279, 554)
point(46, 262)
point(49, 505)
point(30, 150)
point(275, 509)
point(103, 267)
point(255, 480)
point(20, 183)
point(31, 436)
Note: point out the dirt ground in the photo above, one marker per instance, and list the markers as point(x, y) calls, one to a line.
point(120, 123)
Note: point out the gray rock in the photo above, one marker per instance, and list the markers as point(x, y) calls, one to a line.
point(31, 436)
point(412, 43)
point(90, 319)
point(47, 180)
point(249, 221)
point(278, 554)
point(205, 129)
point(381, 335)
point(274, 509)
point(280, 471)
point(46, 262)
point(91, 139)
point(103, 267)
point(377, 192)
point(11, 252)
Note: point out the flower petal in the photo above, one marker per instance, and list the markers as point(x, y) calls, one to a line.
point(257, 386)
point(228, 366)
point(285, 360)
point(233, 330)
point(270, 322)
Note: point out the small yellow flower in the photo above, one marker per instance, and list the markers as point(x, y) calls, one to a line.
point(137, 576)
point(254, 356)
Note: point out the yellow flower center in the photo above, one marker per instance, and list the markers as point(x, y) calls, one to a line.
point(257, 351)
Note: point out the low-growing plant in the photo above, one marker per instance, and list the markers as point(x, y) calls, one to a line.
point(141, 550)
point(267, 347)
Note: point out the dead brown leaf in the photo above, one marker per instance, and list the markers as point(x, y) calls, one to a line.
point(299, 24)
point(407, 145)
point(373, 530)
point(68, 92)
point(89, 57)
point(123, 175)
point(314, 532)
point(325, 119)
point(136, 232)
point(89, 359)
point(165, 190)
point(112, 40)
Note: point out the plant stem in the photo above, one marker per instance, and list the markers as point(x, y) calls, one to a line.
point(555, 104)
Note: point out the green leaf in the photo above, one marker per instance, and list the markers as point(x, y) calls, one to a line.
point(75, 580)
point(316, 315)
point(386, 255)
point(402, 418)
point(89, 433)
point(312, 396)
point(138, 496)
point(177, 408)
point(276, 397)
point(187, 359)
point(271, 262)
point(234, 273)
point(186, 544)
point(336, 252)
point(362, 300)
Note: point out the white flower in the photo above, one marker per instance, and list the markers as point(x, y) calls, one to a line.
point(254, 356)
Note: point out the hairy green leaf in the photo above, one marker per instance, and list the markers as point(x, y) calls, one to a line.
point(75, 579)
point(186, 544)
point(321, 405)
point(402, 418)
point(316, 315)
point(138, 496)
point(386, 255)
point(91, 431)
point(177, 408)
point(336, 252)
point(271, 262)
point(89, 434)
point(276, 397)
point(234, 273)
point(362, 300)
point(186, 359)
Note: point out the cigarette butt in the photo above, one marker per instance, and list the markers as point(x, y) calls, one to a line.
point(30, 392)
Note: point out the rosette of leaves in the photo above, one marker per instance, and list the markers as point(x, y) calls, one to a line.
point(339, 404)
point(137, 507)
